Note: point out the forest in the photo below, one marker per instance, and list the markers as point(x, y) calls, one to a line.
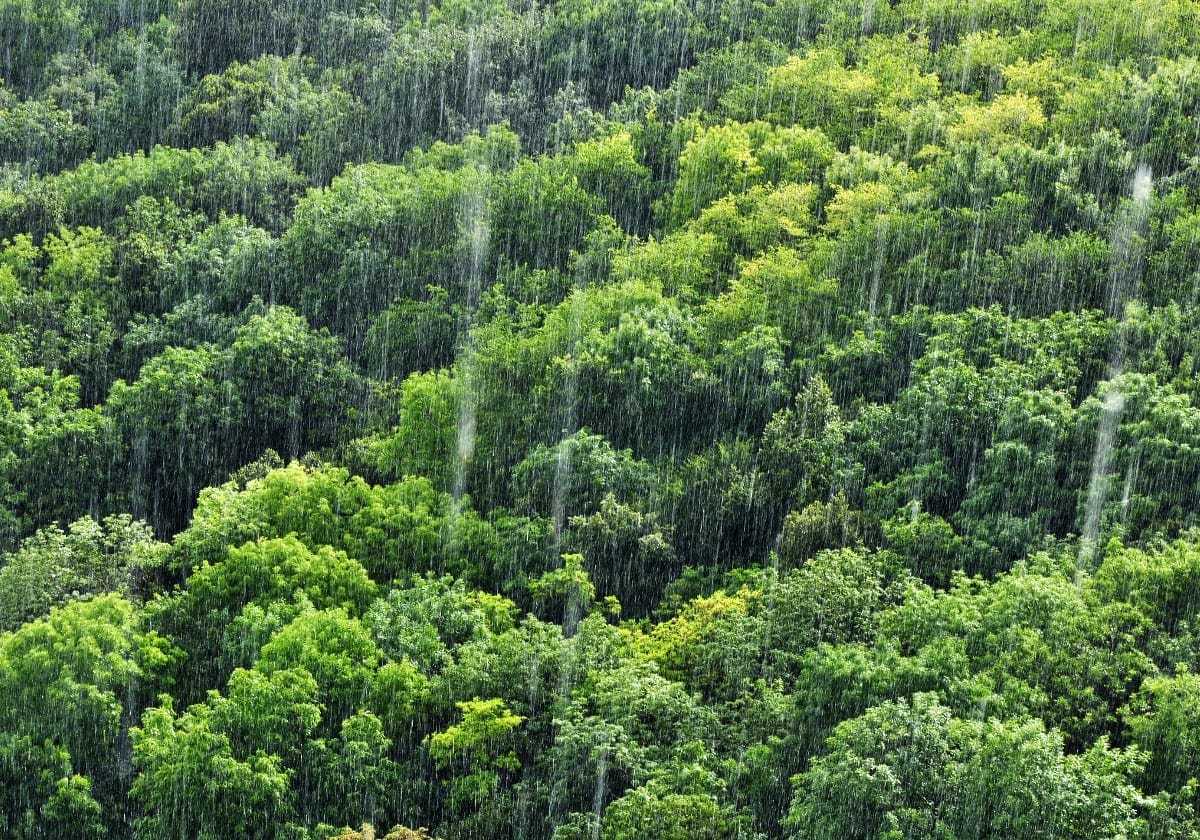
point(599, 419)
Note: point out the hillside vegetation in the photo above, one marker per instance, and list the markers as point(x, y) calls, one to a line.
point(615, 419)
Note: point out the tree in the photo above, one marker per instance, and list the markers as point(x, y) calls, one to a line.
point(679, 802)
point(335, 648)
point(573, 477)
point(70, 683)
point(295, 389)
point(629, 554)
point(912, 768)
point(41, 794)
point(413, 335)
point(89, 558)
point(231, 608)
point(190, 784)
point(1163, 722)
point(169, 422)
point(717, 161)
point(426, 441)
point(477, 751)
point(426, 619)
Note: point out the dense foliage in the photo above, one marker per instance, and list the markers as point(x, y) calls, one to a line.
point(599, 419)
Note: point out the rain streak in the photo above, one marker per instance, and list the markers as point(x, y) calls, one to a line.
point(599, 419)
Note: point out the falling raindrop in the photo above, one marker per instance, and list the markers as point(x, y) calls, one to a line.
point(1125, 275)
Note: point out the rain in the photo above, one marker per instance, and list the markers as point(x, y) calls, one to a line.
point(599, 419)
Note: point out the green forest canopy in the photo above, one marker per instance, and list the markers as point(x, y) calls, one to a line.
point(599, 419)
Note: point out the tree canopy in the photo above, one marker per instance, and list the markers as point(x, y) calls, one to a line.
point(599, 419)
